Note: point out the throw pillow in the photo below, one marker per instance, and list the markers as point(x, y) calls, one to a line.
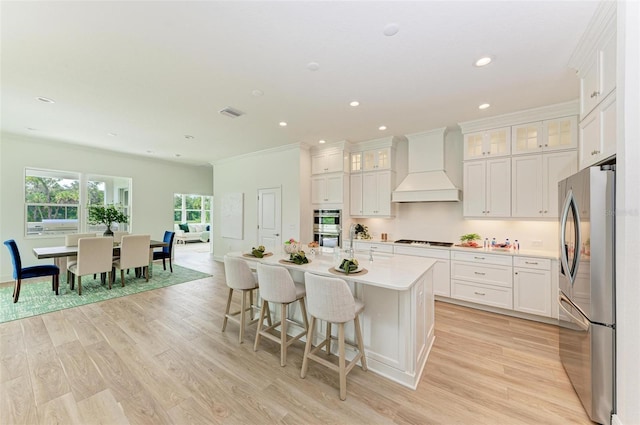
point(184, 227)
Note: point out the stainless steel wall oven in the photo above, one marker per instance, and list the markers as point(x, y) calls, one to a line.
point(327, 227)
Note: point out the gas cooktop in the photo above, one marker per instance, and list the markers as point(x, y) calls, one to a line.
point(424, 243)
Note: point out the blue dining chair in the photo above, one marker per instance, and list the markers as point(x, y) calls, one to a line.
point(167, 251)
point(20, 273)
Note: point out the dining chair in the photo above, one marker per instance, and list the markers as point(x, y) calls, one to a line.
point(134, 252)
point(167, 251)
point(277, 286)
point(118, 234)
point(72, 240)
point(95, 255)
point(20, 273)
point(329, 299)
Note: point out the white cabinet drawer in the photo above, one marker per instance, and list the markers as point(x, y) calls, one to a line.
point(376, 247)
point(482, 273)
point(482, 294)
point(482, 257)
point(532, 263)
point(442, 254)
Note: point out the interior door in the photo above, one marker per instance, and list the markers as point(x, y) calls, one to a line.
point(270, 218)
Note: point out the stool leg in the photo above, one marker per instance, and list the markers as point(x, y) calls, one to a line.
point(265, 307)
point(341, 362)
point(363, 360)
point(328, 338)
point(307, 348)
point(303, 310)
point(243, 315)
point(226, 313)
point(283, 334)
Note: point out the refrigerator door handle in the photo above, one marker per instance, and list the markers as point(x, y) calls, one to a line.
point(580, 321)
point(569, 204)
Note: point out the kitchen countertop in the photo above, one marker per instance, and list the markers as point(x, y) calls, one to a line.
point(550, 254)
point(398, 272)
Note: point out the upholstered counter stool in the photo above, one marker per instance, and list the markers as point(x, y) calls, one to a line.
point(277, 286)
point(240, 278)
point(330, 299)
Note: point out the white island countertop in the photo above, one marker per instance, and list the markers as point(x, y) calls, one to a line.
point(396, 272)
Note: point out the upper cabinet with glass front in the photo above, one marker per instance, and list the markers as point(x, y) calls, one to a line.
point(488, 143)
point(376, 159)
point(544, 136)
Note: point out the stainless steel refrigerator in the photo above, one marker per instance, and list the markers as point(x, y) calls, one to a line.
point(587, 287)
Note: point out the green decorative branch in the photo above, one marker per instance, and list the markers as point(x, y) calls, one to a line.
point(101, 214)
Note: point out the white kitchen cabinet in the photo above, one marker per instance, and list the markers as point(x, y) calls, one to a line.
point(598, 134)
point(441, 269)
point(327, 189)
point(482, 278)
point(327, 162)
point(488, 143)
point(376, 193)
point(532, 286)
point(534, 186)
point(598, 76)
point(356, 162)
point(545, 136)
point(355, 194)
point(376, 159)
point(487, 188)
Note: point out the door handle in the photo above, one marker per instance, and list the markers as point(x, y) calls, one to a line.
point(276, 234)
point(579, 320)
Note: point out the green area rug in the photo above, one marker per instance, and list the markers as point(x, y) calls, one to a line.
point(36, 296)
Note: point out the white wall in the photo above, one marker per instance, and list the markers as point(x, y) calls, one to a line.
point(246, 174)
point(154, 183)
point(628, 215)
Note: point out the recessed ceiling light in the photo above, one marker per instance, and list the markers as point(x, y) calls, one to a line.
point(32, 129)
point(283, 124)
point(150, 152)
point(322, 141)
point(188, 136)
point(178, 155)
point(382, 127)
point(484, 61)
point(484, 106)
point(112, 134)
point(257, 93)
point(354, 103)
point(313, 66)
point(391, 29)
point(45, 100)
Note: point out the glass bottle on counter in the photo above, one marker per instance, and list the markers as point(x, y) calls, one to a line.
point(486, 243)
point(493, 242)
point(516, 245)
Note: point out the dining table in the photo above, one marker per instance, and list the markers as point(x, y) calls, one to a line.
point(61, 253)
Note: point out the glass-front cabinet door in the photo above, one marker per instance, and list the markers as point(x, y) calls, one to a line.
point(488, 143)
point(561, 134)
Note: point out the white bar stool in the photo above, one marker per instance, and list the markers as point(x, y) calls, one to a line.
point(239, 277)
point(277, 286)
point(330, 299)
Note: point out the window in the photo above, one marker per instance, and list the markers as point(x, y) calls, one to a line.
point(52, 202)
point(104, 190)
point(191, 208)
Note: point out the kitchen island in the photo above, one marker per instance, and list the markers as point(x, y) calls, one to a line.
point(398, 319)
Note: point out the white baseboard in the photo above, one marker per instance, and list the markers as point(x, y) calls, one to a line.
point(615, 420)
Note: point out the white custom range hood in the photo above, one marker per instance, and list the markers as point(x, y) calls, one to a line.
point(427, 179)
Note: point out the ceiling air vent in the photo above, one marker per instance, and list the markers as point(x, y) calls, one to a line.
point(231, 112)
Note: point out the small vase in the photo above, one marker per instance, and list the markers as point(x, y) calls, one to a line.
point(108, 232)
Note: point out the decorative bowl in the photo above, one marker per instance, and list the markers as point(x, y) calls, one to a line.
point(291, 248)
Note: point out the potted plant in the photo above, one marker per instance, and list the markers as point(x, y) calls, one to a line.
point(469, 240)
point(107, 215)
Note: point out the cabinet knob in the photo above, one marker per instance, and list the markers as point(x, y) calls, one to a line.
point(540, 211)
point(539, 146)
point(479, 293)
point(546, 145)
point(516, 273)
point(594, 94)
point(545, 211)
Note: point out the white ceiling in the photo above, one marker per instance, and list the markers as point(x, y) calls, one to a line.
point(153, 72)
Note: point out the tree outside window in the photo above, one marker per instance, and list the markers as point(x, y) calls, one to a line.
point(51, 202)
point(188, 208)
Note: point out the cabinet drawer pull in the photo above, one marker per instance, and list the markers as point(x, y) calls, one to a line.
point(479, 273)
point(531, 262)
point(479, 258)
point(479, 293)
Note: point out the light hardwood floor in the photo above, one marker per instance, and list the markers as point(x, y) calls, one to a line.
point(159, 357)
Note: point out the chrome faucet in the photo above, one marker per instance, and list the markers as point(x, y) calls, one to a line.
point(352, 234)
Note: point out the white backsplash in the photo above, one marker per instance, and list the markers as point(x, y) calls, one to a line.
point(443, 221)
